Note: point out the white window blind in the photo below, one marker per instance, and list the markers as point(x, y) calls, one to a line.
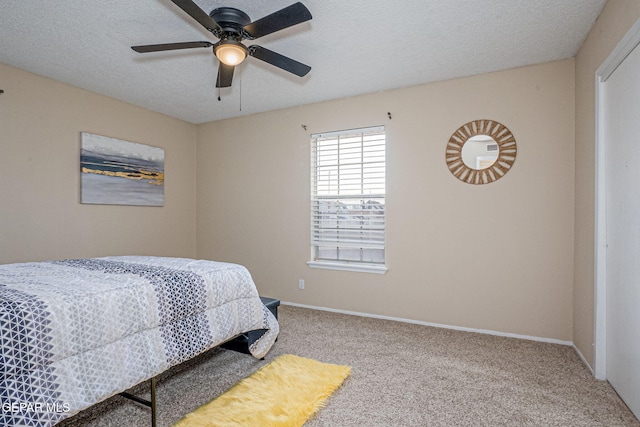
point(348, 196)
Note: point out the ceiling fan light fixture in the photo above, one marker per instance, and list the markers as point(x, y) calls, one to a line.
point(230, 52)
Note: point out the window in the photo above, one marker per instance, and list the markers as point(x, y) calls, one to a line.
point(348, 200)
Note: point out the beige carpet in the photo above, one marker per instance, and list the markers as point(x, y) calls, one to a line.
point(402, 375)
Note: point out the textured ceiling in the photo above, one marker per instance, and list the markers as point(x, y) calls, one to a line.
point(353, 46)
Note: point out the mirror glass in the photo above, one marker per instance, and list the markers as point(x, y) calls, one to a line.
point(480, 152)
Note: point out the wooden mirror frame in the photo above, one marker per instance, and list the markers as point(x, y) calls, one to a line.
point(507, 150)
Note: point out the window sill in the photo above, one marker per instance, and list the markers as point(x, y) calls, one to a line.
point(361, 268)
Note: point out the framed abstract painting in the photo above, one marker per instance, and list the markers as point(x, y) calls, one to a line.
point(118, 172)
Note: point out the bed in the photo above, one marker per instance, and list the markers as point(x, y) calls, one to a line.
point(75, 332)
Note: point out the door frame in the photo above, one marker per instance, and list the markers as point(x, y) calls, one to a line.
point(615, 58)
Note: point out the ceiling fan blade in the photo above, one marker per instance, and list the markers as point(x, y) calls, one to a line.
point(284, 18)
point(225, 75)
point(280, 61)
point(169, 46)
point(199, 15)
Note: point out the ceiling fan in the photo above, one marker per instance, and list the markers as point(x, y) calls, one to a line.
point(231, 26)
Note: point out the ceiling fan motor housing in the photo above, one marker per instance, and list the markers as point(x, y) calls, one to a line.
point(230, 19)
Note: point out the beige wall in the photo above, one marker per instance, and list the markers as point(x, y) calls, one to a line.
point(40, 214)
point(614, 21)
point(496, 257)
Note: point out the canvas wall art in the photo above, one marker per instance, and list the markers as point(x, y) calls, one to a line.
point(117, 172)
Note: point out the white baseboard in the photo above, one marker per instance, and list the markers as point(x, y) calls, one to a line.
point(438, 325)
point(584, 361)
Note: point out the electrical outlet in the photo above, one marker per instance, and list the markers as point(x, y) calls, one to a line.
point(301, 284)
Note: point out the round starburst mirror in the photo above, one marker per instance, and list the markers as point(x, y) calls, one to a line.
point(481, 151)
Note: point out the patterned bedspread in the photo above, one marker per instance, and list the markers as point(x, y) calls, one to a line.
point(75, 332)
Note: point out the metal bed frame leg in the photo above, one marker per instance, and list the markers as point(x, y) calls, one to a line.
point(151, 404)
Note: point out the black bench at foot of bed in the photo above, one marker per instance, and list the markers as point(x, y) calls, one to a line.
point(241, 343)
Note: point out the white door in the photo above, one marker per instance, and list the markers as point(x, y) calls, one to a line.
point(621, 122)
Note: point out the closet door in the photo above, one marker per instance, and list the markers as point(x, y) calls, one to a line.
point(621, 102)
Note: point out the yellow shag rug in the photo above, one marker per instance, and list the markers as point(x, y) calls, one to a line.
point(284, 393)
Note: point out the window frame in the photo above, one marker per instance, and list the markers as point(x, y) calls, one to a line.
point(371, 235)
